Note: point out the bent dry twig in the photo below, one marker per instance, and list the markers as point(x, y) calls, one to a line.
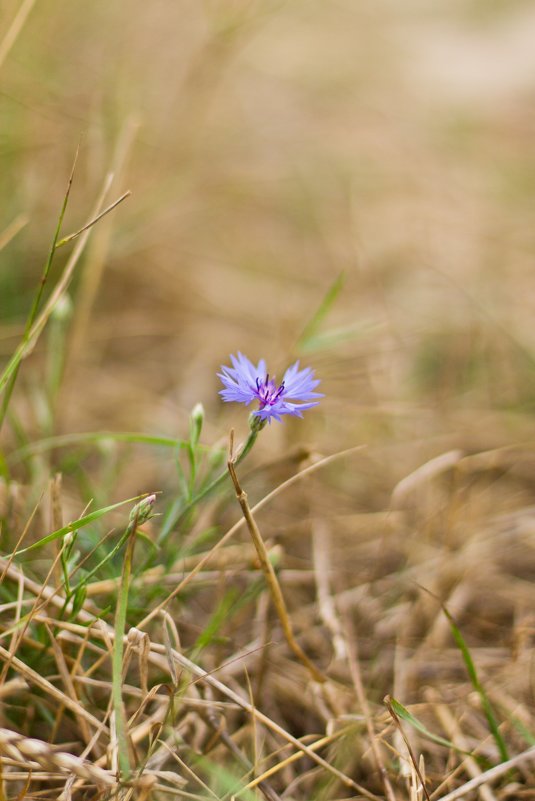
point(270, 575)
point(323, 461)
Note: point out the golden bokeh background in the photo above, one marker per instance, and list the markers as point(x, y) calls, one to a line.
point(271, 147)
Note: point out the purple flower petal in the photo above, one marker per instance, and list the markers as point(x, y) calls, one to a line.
point(244, 382)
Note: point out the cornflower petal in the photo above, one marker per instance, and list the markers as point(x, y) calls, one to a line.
point(244, 383)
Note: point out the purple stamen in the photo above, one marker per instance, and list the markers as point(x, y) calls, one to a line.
point(267, 391)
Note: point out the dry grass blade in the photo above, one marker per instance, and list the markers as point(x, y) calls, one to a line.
point(12, 230)
point(69, 684)
point(321, 462)
point(489, 775)
point(196, 671)
point(284, 762)
point(271, 578)
point(23, 748)
point(14, 29)
point(354, 667)
point(455, 734)
point(187, 770)
point(91, 277)
point(427, 471)
point(12, 686)
point(322, 569)
point(158, 657)
point(39, 681)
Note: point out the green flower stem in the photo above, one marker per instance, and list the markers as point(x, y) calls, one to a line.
point(177, 514)
point(142, 511)
point(117, 659)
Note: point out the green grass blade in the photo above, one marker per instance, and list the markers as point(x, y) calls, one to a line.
point(404, 714)
point(225, 783)
point(326, 340)
point(522, 730)
point(311, 328)
point(478, 687)
point(75, 525)
point(117, 659)
point(90, 437)
point(179, 509)
point(9, 377)
point(139, 514)
point(221, 615)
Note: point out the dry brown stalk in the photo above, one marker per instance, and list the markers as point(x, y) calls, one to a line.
point(7, 562)
point(91, 276)
point(12, 230)
point(354, 668)
point(283, 763)
point(295, 577)
point(23, 748)
point(35, 678)
point(456, 736)
point(327, 607)
point(158, 657)
point(325, 460)
point(490, 775)
point(423, 474)
point(271, 578)
point(169, 630)
point(69, 687)
point(13, 686)
point(139, 641)
point(238, 557)
point(185, 767)
point(15, 28)
point(35, 774)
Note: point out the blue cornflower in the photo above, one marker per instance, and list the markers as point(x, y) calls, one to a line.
point(245, 383)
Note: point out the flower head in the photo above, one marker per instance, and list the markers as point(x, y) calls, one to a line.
point(244, 383)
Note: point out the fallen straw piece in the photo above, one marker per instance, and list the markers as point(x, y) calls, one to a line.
point(22, 748)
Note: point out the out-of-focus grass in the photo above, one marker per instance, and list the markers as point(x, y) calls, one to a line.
point(271, 149)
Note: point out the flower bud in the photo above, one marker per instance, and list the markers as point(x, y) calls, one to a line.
point(196, 421)
point(142, 511)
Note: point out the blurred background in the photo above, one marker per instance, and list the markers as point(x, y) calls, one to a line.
point(348, 183)
point(273, 150)
point(276, 151)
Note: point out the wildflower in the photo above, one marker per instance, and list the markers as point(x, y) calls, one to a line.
point(245, 383)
